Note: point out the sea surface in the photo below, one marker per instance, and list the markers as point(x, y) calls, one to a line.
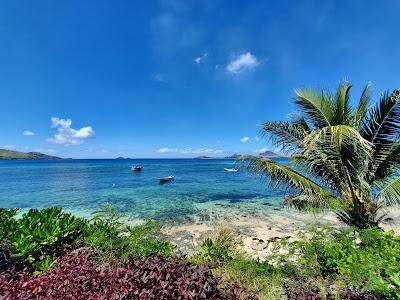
point(80, 186)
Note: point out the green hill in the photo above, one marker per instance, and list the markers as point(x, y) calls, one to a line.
point(9, 154)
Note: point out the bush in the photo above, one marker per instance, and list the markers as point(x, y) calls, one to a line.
point(39, 235)
point(35, 239)
point(368, 260)
point(80, 276)
point(219, 249)
point(253, 275)
point(116, 242)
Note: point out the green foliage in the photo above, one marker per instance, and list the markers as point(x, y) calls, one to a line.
point(367, 259)
point(115, 241)
point(40, 235)
point(221, 249)
point(217, 250)
point(253, 275)
point(7, 222)
point(44, 264)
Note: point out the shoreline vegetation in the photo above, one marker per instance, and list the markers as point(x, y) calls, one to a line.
point(343, 171)
point(53, 254)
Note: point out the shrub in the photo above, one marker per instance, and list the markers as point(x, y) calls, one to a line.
point(39, 234)
point(253, 275)
point(115, 241)
point(368, 259)
point(219, 249)
point(80, 276)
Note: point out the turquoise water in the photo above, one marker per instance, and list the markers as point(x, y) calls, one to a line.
point(80, 186)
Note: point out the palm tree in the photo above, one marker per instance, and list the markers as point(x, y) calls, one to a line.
point(339, 152)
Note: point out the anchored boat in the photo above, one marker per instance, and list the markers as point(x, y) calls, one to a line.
point(230, 169)
point(166, 179)
point(136, 168)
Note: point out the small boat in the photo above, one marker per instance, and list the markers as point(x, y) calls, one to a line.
point(166, 179)
point(136, 168)
point(230, 169)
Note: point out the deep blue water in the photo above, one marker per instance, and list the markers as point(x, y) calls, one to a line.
point(81, 186)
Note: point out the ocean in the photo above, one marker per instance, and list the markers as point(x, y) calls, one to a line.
point(80, 186)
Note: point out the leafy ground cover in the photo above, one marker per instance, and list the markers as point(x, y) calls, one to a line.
point(50, 254)
point(324, 263)
point(80, 276)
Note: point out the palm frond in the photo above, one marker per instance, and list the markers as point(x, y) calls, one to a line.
point(339, 149)
point(342, 114)
point(298, 120)
point(386, 162)
point(285, 175)
point(362, 107)
point(319, 166)
point(382, 124)
point(317, 107)
point(391, 191)
point(282, 133)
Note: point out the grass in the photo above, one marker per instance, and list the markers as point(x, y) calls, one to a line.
point(254, 276)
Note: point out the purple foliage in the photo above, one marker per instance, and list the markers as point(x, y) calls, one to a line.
point(80, 276)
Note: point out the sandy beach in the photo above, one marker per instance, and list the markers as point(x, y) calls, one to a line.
point(255, 228)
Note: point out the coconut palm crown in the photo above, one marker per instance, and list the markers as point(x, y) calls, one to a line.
point(350, 154)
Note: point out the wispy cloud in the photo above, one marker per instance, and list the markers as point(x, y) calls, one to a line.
point(167, 150)
point(260, 150)
point(28, 133)
point(190, 151)
point(245, 139)
point(241, 63)
point(256, 138)
point(67, 135)
point(200, 59)
point(9, 147)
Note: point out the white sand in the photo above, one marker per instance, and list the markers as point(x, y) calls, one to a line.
point(255, 229)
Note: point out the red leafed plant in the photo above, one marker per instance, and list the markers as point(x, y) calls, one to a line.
point(79, 276)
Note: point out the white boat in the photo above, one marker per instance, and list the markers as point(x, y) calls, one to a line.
point(166, 179)
point(136, 168)
point(230, 169)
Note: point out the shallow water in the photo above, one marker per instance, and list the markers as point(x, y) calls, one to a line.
point(80, 186)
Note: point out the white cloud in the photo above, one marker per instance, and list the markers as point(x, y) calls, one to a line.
point(256, 138)
point(28, 133)
point(67, 135)
point(200, 59)
point(260, 150)
point(9, 147)
point(244, 62)
point(244, 139)
point(201, 151)
point(189, 151)
point(167, 150)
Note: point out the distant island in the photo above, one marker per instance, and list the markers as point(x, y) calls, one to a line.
point(266, 154)
point(120, 158)
point(9, 154)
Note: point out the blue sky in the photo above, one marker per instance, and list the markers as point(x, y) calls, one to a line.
point(176, 78)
